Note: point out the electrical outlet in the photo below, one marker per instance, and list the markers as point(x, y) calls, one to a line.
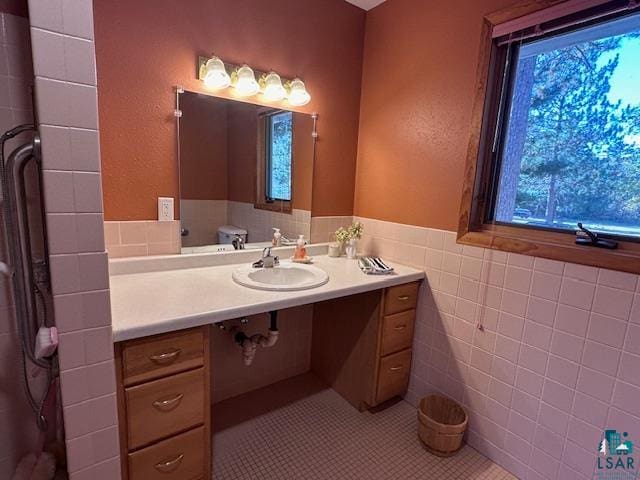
point(165, 209)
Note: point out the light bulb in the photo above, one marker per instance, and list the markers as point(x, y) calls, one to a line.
point(246, 84)
point(215, 74)
point(298, 94)
point(273, 89)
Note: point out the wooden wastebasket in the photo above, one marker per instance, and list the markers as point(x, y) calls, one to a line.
point(441, 425)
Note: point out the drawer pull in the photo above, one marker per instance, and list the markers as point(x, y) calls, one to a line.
point(164, 358)
point(400, 327)
point(395, 369)
point(168, 404)
point(404, 298)
point(169, 465)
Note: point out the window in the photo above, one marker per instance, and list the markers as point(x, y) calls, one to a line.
point(556, 134)
point(569, 143)
point(279, 140)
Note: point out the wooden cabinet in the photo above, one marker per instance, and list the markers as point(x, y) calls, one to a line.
point(397, 332)
point(178, 458)
point(361, 344)
point(401, 298)
point(161, 355)
point(164, 406)
point(393, 375)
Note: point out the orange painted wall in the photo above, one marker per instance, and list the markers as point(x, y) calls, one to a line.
point(218, 159)
point(146, 47)
point(203, 148)
point(302, 149)
point(242, 141)
point(417, 92)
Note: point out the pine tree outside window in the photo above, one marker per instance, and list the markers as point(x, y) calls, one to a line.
point(279, 145)
point(555, 138)
point(570, 143)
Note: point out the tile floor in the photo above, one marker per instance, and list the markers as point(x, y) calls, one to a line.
point(300, 429)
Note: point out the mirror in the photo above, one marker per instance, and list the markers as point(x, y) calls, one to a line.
point(245, 169)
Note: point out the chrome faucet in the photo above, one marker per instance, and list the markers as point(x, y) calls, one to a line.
point(238, 242)
point(267, 260)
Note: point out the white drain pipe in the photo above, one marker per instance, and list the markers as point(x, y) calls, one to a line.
point(250, 344)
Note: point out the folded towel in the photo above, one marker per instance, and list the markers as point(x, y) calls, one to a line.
point(374, 266)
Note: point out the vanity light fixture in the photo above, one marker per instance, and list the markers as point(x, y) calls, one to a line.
point(298, 94)
point(214, 74)
point(245, 81)
point(273, 90)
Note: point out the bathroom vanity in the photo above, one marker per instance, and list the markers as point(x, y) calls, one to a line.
point(163, 311)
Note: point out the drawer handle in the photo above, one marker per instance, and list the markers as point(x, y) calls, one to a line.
point(395, 369)
point(404, 298)
point(400, 327)
point(164, 358)
point(169, 465)
point(168, 404)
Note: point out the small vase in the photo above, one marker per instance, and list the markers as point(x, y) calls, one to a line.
point(352, 249)
point(335, 250)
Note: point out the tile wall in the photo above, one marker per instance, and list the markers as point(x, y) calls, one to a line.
point(64, 66)
point(18, 432)
point(544, 355)
point(260, 223)
point(202, 218)
point(139, 239)
point(323, 228)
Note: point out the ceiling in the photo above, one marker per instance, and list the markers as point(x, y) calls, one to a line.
point(366, 4)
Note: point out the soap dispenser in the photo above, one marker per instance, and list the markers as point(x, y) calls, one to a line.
point(277, 238)
point(301, 251)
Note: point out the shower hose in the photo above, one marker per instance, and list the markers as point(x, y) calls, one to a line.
point(36, 402)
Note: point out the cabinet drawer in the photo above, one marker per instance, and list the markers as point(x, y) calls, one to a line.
point(163, 355)
point(164, 407)
point(401, 298)
point(393, 377)
point(397, 332)
point(179, 458)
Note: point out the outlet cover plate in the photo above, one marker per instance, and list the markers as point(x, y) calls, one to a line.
point(165, 209)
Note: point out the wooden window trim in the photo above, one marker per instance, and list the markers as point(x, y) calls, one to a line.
point(472, 230)
point(277, 206)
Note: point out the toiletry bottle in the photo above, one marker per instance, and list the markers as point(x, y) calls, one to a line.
point(301, 251)
point(277, 238)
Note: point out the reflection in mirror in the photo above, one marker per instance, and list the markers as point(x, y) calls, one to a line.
point(244, 170)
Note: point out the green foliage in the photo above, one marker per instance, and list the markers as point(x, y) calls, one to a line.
point(281, 156)
point(578, 161)
point(342, 235)
point(353, 232)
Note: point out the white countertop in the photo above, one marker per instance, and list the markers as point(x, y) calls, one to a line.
point(156, 302)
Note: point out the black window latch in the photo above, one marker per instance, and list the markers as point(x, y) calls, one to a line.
point(591, 239)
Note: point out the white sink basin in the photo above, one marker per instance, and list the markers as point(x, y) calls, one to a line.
point(285, 278)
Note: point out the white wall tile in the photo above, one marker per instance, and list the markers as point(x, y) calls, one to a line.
point(565, 333)
point(67, 97)
point(53, 100)
point(46, 14)
point(56, 148)
point(48, 54)
point(85, 150)
point(77, 18)
point(87, 189)
point(80, 61)
point(83, 109)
